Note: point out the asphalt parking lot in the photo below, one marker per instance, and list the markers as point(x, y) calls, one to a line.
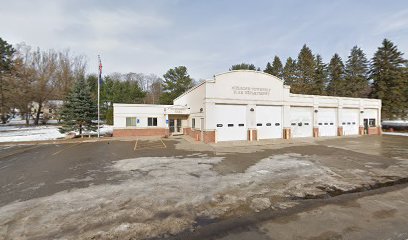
point(176, 188)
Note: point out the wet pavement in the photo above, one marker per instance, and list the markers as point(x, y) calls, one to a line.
point(177, 188)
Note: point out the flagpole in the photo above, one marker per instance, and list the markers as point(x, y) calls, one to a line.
point(99, 89)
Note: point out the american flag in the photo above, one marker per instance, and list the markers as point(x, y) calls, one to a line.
point(100, 71)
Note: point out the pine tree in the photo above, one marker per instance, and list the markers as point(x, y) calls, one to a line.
point(268, 68)
point(176, 82)
point(289, 72)
point(244, 66)
point(320, 77)
point(336, 86)
point(389, 80)
point(356, 74)
point(305, 71)
point(276, 69)
point(6, 65)
point(79, 110)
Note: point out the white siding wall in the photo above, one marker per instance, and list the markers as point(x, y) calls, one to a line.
point(141, 112)
point(194, 99)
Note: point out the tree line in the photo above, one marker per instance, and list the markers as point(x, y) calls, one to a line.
point(384, 76)
point(30, 75)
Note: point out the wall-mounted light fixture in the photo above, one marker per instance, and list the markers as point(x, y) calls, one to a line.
point(251, 110)
point(316, 111)
point(201, 109)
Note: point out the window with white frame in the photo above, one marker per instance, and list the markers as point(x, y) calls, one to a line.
point(152, 121)
point(193, 123)
point(130, 121)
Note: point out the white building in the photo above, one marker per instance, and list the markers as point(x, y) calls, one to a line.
point(249, 105)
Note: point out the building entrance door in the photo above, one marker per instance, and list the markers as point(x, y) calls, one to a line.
point(175, 126)
point(365, 125)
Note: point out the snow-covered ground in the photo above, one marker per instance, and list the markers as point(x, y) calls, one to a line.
point(10, 133)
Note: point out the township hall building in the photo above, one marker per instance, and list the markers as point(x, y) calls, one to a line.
point(250, 106)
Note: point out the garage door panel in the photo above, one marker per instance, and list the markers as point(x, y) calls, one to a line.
point(326, 121)
point(231, 122)
point(349, 121)
point(301, 119)
point(269, 122)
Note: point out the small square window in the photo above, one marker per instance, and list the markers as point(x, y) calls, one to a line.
point(277, 124)
point(241, 125)
point(131, 122)
point(268, 124)
point(293, 124)
point(259, 124)
point(152, 122)
point(230, 125)
point(219, 125)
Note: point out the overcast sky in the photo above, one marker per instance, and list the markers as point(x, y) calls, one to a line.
point(205, 36)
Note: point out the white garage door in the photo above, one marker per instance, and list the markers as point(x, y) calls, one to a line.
point(349, 121)
point(231, 122)
point(326, 120)
point(301, 121)
point(269, 122)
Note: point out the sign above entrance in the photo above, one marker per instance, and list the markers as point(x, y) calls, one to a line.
point(243, 90)
point(177, 110)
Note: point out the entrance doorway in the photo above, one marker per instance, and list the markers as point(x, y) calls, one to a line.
point(175, 126)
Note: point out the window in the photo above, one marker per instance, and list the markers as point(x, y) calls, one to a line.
point(306, 124)
point(152, 122)
point(293, 124)
point(320, 123)
point(241, 125)
point(230, 125)
point(331, 123)
point(193, 123)
point(277, 124)
point(326, 123)
point(269, 124)
point(219, 125)
point(259, 124)
point(371, 122)
point(131, 122)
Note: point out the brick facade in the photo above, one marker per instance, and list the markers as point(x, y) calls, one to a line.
point(287, 133)
point(339, 131)
point(208, 136)
point(315, 132)
point(252, 135)
point(162, 132)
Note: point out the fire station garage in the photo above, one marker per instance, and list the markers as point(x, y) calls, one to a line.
point(249, 106)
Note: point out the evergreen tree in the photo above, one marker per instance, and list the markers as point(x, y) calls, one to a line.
point(176, 82)
point(389, 80)
point(243, 66)
point(356, 74)
point(336, 86)
point(268, 68)
point(6, 65)
point(79, 110)
point(289, 72)
point(305, 71)
point(276, 69)
point(320, 77)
